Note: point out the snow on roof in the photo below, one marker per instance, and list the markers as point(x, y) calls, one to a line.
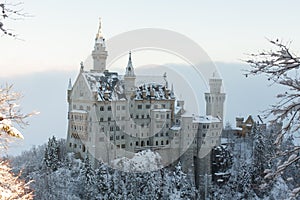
point(153, 91)
point(205, 119)
point(161, 110)
point(237, 128)
point(107, 85)
point(175, 128)
point(177, 109)
point(78, 111)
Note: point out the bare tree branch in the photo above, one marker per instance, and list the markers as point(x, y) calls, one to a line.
point(281, 67)
point(10, 11)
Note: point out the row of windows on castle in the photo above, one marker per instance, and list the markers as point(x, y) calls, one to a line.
point(122, 107)
point(211, 99)
point(79, 127)
point(81, 117)
point(137, 143)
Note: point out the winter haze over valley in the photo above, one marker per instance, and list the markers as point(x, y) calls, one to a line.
point(149, 100)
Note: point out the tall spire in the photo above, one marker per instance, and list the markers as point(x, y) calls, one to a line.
point(99, 33)
point(129, 68)
point(99, 53)
point(70, 84)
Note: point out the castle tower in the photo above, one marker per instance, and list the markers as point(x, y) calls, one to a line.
point(99, 53)
point(215, 99)
point(129, 78)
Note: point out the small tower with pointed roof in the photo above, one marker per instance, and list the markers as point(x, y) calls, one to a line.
point(99, 53)
point(129, 78)
point(215, 98)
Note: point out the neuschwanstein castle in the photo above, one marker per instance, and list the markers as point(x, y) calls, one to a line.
point(109, 117)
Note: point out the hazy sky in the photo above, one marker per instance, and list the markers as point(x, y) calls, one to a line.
point(61, 34)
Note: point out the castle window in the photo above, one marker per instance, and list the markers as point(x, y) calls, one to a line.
point(111, 128)
point(109, 108)
point(143, 116)
point(70, 145)
point(167, 134)
point(147, 142)
point(167, 125)
point(101, 108)
point(101, 119)
point(167, 142)
point(122, 137)
point(123, 146)
point(204, 126)
point(137, 116)
point(123, 107)
point(162, 142)
point(163, 105)
point(109, 119)
point(83, 148)
point(117, 137)
point(162, 116)
point(131, 115)
point(148, 106)
point(148, 116)
point(142, 125)
point(203, 135)
point(140, 106)
point(156, 135)
point(75, 146)
point(142, 143)
point(168, 116)
point(156, 143)
point(131, 144)
point(136, 143)
point(162, 135)
point(111, 138)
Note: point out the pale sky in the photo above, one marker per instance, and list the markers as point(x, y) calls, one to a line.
point(61, 35)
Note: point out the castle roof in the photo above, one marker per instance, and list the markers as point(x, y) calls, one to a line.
point(110, 86)
point(205, 119)
point(107, 85)
point(153, 91)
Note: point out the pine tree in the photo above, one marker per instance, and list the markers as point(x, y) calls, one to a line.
point(52, 158)
point(88, 180)
point(102, 178)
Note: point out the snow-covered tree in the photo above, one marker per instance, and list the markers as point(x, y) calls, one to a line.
point(102, 178)
point(51, 158)
point(11, 187)
point(281, 67)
